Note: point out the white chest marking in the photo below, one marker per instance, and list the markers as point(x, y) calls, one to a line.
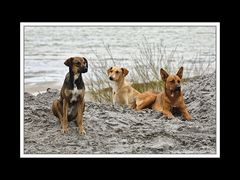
point(114, 87)
point(75, 93)
point(76, 76)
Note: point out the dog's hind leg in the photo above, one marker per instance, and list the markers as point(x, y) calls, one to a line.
point(145, 100)
point(140, 105)
point(57, 109)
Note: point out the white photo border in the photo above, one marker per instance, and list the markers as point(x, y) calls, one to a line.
point(212, 24)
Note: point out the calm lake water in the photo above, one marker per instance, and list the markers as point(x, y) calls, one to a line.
point(47, 47)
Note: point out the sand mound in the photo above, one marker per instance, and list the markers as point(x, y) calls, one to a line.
point(117, 130)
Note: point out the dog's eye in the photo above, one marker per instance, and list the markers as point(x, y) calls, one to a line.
point(172, 81)
point(178, 81)
point(117, 71)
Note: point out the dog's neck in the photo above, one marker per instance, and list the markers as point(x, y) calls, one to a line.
point(76, 81)
point(116, 85)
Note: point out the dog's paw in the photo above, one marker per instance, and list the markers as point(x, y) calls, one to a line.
point(169, 116)
point(64, 130)
point(81, 131)
point(188, 118)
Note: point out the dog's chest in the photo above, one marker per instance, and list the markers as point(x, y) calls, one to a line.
point(114, 88)
point(75, 93)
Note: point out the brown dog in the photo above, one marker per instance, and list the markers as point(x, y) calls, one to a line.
point(123, 92)
point(71, 103)
point(165, 101)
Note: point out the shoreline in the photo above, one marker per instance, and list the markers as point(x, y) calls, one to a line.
point(36, 88)
point(40, 88)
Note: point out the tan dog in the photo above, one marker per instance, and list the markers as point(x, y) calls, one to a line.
point(71, 103)
point(165, 101)
point(123, 93)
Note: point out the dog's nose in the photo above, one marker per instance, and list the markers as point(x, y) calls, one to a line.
point(111, 78)
point(178, 88)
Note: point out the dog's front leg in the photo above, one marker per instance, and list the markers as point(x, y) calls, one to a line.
point(183, 109)
point(126, 103)
point(65, 117)
point(168, 114)
point(114, 101)
point(81, 107)
point(167, 111)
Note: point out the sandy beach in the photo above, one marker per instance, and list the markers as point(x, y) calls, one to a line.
point(117, 130)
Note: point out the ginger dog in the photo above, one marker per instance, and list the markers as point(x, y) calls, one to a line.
point(165, 101)
point(123, 93)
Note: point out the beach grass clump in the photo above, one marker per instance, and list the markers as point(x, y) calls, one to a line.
point(144, 72)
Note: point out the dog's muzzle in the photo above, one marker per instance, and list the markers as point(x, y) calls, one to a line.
point(83, 69)
point(111, 78)
point(178, 88)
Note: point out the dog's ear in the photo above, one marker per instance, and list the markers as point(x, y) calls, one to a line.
point(180, 72)
point(85, 60)
point(125, 71)
point(108, 71)
point(164, 74)
point(68, 62)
